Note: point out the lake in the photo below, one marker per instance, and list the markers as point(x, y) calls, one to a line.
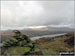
point(49, 36)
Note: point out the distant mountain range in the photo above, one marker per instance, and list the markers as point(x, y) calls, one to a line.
point(41, 29)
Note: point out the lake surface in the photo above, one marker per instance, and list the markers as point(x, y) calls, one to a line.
point(48, 36)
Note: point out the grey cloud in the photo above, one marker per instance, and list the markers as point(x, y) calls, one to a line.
point(32, 13)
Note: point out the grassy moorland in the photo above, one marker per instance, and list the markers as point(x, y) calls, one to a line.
point(45, 46)
point(57, 44)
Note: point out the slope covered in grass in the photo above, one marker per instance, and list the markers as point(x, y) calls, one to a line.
point(44, 46)
point(57, 44)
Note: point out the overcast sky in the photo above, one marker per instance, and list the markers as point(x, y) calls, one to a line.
point(37, 13)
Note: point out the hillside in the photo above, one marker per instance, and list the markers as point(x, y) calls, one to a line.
point(57, 44)
point(46, 46)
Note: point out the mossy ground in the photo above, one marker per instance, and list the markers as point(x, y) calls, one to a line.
point(17, 50)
